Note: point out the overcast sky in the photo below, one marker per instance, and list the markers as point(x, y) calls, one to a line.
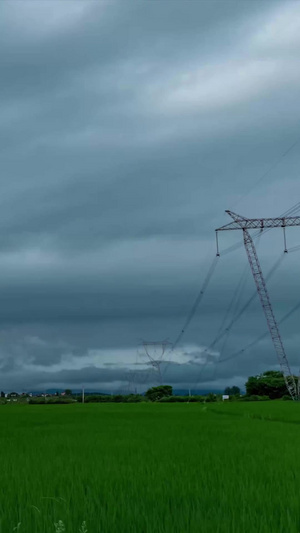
point(127, 128)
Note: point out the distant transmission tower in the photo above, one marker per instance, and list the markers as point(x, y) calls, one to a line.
point(245, 224)
point(155, 352)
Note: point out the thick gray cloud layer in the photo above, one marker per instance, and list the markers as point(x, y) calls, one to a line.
point(127, 128)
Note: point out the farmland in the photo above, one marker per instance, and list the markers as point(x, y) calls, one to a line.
point(152, 468)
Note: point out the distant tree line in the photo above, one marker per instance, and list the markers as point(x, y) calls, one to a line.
point(39, 400)
point(161, 394)
point(232, 391)
point(269, 385)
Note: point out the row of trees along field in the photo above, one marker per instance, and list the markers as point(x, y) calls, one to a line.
point(162, 393)
point(269, 385)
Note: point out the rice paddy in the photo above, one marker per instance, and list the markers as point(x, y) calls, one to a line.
point(150, 468)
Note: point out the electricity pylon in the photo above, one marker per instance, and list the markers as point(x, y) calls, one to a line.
point(245, 224)
point(155, 352)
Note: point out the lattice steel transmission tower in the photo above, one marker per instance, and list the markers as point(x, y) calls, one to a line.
point(155, 352)
point(245, 224)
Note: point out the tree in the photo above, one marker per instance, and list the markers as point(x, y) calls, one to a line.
point(13, 395)
point(156, 393)
point(232, 391)
point(2, 394)
point(211, 397)
point(270, 383)
point(68, 392)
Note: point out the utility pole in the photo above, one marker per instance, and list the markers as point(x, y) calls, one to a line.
point(246, 224)
point(82, 394)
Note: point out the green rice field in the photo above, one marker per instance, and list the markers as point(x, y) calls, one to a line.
point(151, 468)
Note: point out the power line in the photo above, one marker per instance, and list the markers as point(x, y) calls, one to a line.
point(244, 224)
point(267, 172)
point(294, 249)
point(211, 270)
point(196, 303)
point(265, 334)
point(222, 332)
point(155, 352)
point(193, 310)
point(290, 212)
point(225, 332)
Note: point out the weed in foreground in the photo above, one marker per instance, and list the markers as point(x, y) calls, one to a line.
point(60, 527)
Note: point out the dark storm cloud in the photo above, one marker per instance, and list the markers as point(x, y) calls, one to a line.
point(126, 129)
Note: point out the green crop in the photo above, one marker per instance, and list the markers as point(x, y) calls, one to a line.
point(150, 468)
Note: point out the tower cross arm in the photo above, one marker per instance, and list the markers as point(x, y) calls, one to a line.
point(240, 222)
